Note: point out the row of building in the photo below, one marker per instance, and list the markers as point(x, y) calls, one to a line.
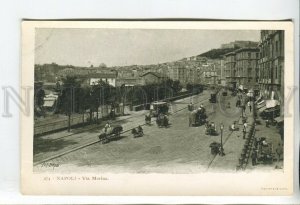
point(260, 67)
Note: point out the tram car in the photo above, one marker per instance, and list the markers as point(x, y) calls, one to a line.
point(160, 107)
point(112, 133)
point(197, 117)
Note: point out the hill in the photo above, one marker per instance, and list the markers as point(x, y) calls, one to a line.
point(217, 53)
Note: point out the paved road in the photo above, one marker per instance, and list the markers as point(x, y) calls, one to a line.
point(177, 149)
point(54, 144)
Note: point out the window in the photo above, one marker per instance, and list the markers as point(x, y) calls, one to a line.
point(276, 72)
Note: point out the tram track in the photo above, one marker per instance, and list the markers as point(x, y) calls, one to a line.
point(97, 141)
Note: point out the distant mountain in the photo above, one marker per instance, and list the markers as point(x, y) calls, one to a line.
point(217, 53)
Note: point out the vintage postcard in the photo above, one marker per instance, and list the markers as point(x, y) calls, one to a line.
point(184, 108)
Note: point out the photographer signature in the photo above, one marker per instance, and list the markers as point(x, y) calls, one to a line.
point(49, 164)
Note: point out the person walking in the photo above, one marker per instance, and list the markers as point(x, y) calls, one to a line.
point(249, 105)
point(244, 131)
point(254, 157)
point(279, 152)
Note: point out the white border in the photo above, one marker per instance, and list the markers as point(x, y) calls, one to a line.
point(12, 11)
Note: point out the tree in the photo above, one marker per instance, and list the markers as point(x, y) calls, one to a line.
point(70, 97)
point(100, 93)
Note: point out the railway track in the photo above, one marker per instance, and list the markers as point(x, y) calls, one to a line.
point(96, 141)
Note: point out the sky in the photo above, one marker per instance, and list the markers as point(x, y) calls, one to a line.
point(121, 47)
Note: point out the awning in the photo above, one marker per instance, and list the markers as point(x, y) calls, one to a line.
point(271, 103)
point(49, 103)
point(273, 109)
point(279, 119)
point(263, 104)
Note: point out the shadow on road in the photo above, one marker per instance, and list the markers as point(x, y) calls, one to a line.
point(50, 145)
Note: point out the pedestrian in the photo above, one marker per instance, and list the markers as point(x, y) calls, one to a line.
point(267, 123)
point(244, 132)
point(249, 105)
point(254, 157)
point(151, 109)
point(279, 151)
point(238, 103)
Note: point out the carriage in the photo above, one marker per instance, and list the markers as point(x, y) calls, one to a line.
point(197, 117)
point(265, 152)
point(215, 148)
point(111, 133)
point(162, 120)
point(210, 129)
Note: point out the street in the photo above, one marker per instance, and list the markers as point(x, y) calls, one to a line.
point(177, 149)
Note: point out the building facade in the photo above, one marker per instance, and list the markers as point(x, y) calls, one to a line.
point(271, 65)
point(241, 68)
point(246, 67)
point(230, 70)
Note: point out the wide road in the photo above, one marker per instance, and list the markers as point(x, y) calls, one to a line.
point(177, 149)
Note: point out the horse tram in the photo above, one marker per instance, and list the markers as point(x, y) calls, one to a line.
point(110, 134)
point(158, 108)
point(197, 117)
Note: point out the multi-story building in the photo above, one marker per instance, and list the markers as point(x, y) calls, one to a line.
point(271, 65)
point(241, 68)
point(230, 70)
point(246, 67)
point(222, 76)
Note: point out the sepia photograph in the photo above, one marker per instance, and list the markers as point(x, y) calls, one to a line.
point(166, 99)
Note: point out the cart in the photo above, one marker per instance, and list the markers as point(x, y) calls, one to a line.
point(110, 134)
point(162, 120)
point(215, 148)
point(197, 117)
point(265, 153)
point(210, 129)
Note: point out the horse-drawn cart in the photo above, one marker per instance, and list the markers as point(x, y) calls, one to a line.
point(162, 120)
point(109, 134)
point(265, 152)
point(210, 129)
point(197, 117)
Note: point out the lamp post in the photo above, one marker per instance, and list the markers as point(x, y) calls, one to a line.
point(222, 150)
